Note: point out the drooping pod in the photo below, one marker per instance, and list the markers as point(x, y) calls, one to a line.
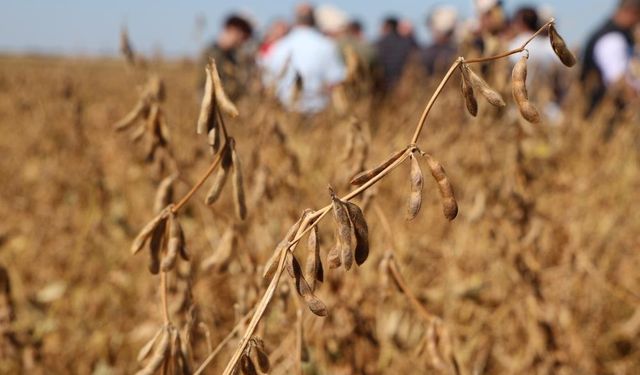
point(221, 98)
point(449, 204)
point(343, 232)
point(313, 270)
point(491, 95)
point(467, 92)
point(207, 107)
point(174, 245)
point(560, 47)
point(164, 194)
point(160, 355)
point(417, 181)
point(145, 234)
point(259, 355)
point(220, 178)
point(363, 177)
point(519, 89)
point(360, 230)
point(238, 185)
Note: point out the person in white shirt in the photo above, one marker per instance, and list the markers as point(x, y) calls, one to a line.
point(304, 66)
point(608, 55)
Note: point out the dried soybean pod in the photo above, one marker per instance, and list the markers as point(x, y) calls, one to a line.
point(315, 304)
point(560, 47)
point(222, 255)
point(238, 186)
point(220, 177)
point(343, 234)
point(155, 245)
point(363, 177)
point(221, 98)
point(131, 117)
point(174, 244)
point(272, 263)
point(449, 204)
point(164, 194)
point(184, 253)
point(492, 96)
point(246, 366)
point(313, 270)
point(417, 182)
point(259, 355)
point(144, 235)
point(333, 257)
point(214, 139)
point(519, 90)
point(208, 102)
point(146, 349)
point(361, 232)
point(467, 92)
point(159, 356)
point(138, 133)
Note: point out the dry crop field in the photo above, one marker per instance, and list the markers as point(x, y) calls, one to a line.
point(537, 274)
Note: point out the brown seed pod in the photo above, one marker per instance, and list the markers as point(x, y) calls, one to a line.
point(246, 366)
point(519, 90)
point(145, 234)
point(214, 139)
point(238, 186)
point(174, 245)
point(207, 108)
point(259, 355)
point(467, 92)
point(313, 269)
point(417, 182)
point(156, 244)
point(221, 98)
point(141, 107)
point(361, 232)
point(449, 204)
point(333, 257)
point(164, 194)
point(160, 355)
point(146, 349)
point(222, 256)
point(138, 133)
point(560, 47)
point(272, 263)
point(314, 303)
point(492, 96)
point(344, 230)
point(220, 178)
point(363, 177)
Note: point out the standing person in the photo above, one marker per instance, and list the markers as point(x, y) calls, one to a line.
point(225, 50)
point(492, 22)
point(276, 31)
point(304, 66)
point(438, 56)
point(608, 54)
point(541, 56)
point(393, 51)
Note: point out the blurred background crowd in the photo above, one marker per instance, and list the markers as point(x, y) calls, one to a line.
point(304, 56)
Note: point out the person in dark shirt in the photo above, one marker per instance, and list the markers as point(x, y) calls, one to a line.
point(233, 69)
point(392, 51)
point(439, 55)
point(608, 54)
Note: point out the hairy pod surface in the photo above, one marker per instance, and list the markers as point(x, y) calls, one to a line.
point(560, 47)
point(519, 89)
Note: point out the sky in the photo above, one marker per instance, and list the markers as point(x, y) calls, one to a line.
point(91, 27)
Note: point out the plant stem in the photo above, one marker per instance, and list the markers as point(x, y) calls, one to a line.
point(202, 180)
point(164, 298)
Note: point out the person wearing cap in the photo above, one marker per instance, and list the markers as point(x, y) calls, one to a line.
point(305, 65)
point(440, 54)
point(492, 22)
point(233, 69)
point(608, 55)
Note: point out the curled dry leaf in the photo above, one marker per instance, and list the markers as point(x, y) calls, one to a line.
point(238, 186)
point(449, 204)
point(221, 98)
point(492, 96)
point(417, 182)
point(361, 232)
point(343, 244)
point(519, 90)
point(467, 92)
point(362, 177)
point(560, 47)
point(160, 355)
point(220, 178)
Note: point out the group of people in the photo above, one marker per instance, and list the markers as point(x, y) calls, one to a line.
point(305, 59)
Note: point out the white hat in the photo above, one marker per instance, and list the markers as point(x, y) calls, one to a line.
point(330, 19)
point(483, 6)
point(443, 19)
